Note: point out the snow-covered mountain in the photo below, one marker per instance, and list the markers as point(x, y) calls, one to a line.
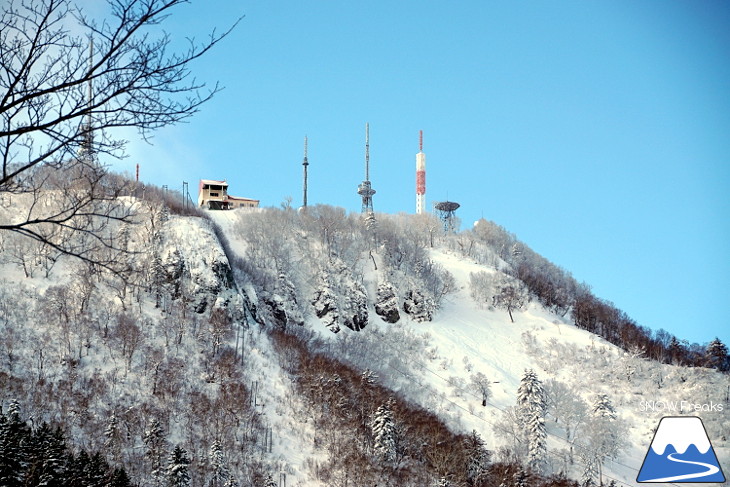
point(270, 344)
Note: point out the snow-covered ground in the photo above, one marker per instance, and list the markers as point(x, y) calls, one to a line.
point(465, 338)
point(430, 363)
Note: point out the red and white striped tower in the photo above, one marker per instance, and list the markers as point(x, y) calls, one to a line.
point(420, 176)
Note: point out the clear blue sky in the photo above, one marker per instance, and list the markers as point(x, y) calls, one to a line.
point(597, 132)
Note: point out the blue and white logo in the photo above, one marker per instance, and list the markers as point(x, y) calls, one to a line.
point(681, 452)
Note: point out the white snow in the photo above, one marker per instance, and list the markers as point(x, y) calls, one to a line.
point(681, 433)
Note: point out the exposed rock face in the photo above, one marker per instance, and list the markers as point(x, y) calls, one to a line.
point(193, 262)
point(341, 301)
point(417, 306)
point(325, 307)
point(386, 305)
point(356, 304)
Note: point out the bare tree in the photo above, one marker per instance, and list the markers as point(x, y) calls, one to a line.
point(480, 384)
point(61, 96)
point(509, 294)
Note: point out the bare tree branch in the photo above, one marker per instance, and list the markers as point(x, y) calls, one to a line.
point(60, 104)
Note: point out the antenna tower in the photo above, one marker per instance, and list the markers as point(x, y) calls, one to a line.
point(420, 176)
point(86, 151)
point(305, 164)
point(365, 188)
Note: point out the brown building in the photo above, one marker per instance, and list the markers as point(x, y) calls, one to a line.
point(213, 195)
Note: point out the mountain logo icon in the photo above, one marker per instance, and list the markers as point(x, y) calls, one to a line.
point(680, 452)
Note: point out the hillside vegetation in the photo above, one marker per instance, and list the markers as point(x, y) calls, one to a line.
point(316, 348)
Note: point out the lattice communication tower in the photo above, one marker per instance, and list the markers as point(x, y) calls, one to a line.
point(365, 189)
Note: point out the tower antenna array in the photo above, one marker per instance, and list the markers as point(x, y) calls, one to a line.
point(305, 164)
point(365, 189)
point(420, 176)
point(87, 138)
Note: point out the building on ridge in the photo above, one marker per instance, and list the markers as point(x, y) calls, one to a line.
point(213, 195)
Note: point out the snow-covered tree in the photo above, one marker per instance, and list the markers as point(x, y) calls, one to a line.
point(531, 406)
point(13, 434)
point(480, 383)
point(177, 473)
point(442, 482)
point(602, 407)
point(113, 438)
point(219, 474)
point(383, 430)
point(519, 479)
point(269, 481)
point(325, 303)
point(154, 440)
point(568, 409)
point(477, 458)
point(509, 294)
point(717, 355)
point(602, 438)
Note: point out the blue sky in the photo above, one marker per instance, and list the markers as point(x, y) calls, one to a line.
point(597, 132)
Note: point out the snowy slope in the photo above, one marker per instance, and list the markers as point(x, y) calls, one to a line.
point(465, 338)
point(430, 363)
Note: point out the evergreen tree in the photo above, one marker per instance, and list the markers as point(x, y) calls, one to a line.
point(532, 406)
point(113, 439)
point(219, 475)
point(46, 456)
point(119, 478)
point(602, 407)
point(178, 474)
point(154, 440)
point(477, 458)
point(14, 435)
point(676, 351)
point(269, 481)
point(601, 439)
point(717, 355)
point(84, 470)
point(520, 478)
point(384, 434)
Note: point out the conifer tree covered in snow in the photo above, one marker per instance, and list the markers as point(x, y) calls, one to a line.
point(269, 481)
point(602, 407)
point(41, 457)
point(220, 474)
point(477, 457)
point(177, 473)
point(717, 355)
point(532, 406)
point(384, 433)
point(154, 440)
point(602, 438)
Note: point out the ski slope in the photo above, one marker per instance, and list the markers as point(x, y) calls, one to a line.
point(465, 338)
